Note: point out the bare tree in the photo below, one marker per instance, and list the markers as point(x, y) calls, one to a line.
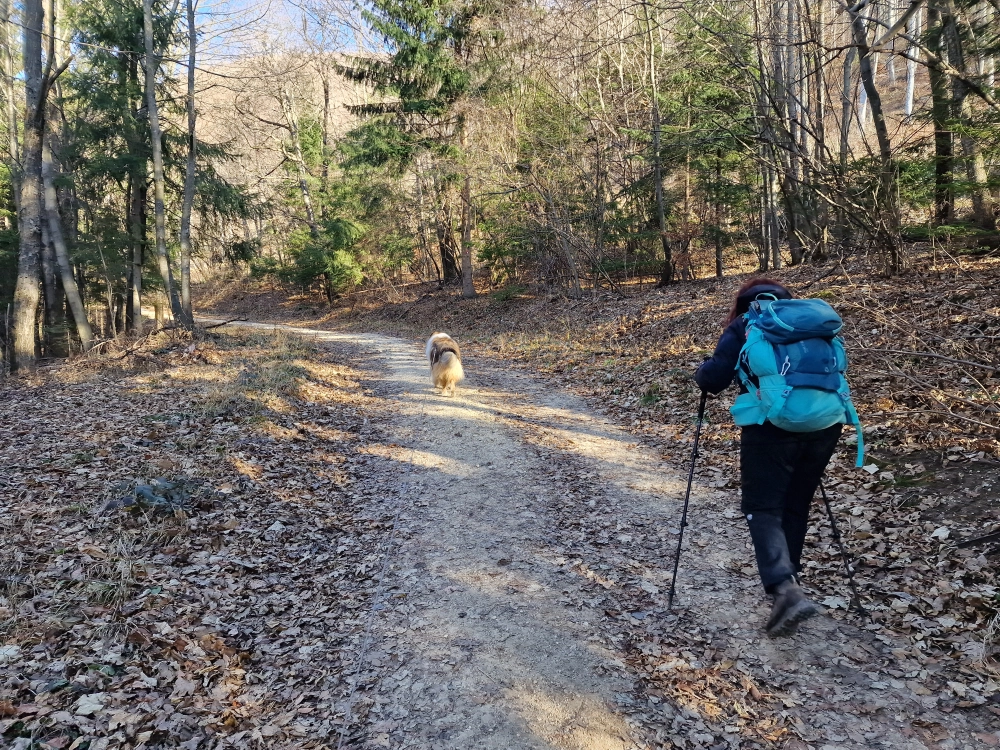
point(13, 153)
point(191, 166)
point(26, 293)
point(55, 232)
point(887, 233)
point(151, 63)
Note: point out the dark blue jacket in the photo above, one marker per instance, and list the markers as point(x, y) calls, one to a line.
point(717, 374)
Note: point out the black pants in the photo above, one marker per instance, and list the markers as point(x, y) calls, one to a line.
point(780, 472)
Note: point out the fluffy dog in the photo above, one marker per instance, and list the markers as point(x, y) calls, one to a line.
point(446, 362)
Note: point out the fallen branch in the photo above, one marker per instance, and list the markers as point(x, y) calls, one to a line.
point(839, 268)
point(945, 413)
point(991, 537)
point(224, 323)
point(932, 355)
point(132, 349)
point(989, 409)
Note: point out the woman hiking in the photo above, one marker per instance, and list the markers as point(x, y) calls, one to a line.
point(779, 472)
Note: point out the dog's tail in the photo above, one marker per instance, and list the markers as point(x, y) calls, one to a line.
point(447, 372)
point(451, 368)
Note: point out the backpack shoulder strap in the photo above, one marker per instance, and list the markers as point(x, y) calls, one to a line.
point(742, 368)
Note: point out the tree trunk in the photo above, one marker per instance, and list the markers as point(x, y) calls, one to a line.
point(975, 164)
point(772, 214)
point(445, 233)
point(54, 324)
point(822, 183)
point(137, 192)
point(27, 293)
point(912, 58)
point(599, 200)
point(189, 173)
point(422, 223)
point(847, 107)
point(887, 234)
point(944, 191)
point(69, 285)
point(718, 214)
point(110, 296)
point(446, 243)
point(137, 229)
point(795, 217)
point(13, 155)
point(468, 288)
point(325, 174)
point(152, 64)
point(892, 11)
point(763, 256)
point(292, 119)
point(667, 272)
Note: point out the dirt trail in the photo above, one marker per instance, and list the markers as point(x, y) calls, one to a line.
point(525, 523)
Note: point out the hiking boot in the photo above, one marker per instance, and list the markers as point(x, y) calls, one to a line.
point(790, 608)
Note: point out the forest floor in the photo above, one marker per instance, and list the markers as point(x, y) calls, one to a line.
point(286, 539)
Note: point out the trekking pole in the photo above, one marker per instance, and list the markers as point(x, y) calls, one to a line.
point(843, 552)
point(687, 496)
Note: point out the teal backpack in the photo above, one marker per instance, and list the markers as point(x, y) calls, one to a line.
point(793, 365)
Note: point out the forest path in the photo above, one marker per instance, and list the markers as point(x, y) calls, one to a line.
point(533, 540)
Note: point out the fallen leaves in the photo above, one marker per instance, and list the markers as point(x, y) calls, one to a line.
point(154, 592)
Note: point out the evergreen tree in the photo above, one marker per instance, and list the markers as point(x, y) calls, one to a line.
point(425, 87)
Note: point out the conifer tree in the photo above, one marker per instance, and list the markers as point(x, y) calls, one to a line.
point(424, 89)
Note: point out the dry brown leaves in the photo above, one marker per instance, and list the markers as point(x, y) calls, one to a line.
point(225, 614)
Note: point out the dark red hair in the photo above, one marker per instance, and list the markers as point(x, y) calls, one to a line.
point(737, 310)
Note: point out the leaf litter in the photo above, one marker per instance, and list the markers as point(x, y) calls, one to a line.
point(190, 543)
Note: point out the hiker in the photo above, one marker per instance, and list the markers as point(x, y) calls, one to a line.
point(779, 469)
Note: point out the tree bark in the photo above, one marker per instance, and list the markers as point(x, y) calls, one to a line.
point(446, 243)
point(137, 228)
point(152, 64)
point(667, 272)
point(325, 173)
point(136, 190)
point(292, 119)
point(69, 285)
point(912, 58)
point(189, 172)
point(13, 155)
point(718, 214)
point(422, 226)
point(772, 214)
point(847, 107)
point(975, 164)
point(887, 234)
point(468, 288)
point(54, 344)
point(944, 192)
point(26, 292)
